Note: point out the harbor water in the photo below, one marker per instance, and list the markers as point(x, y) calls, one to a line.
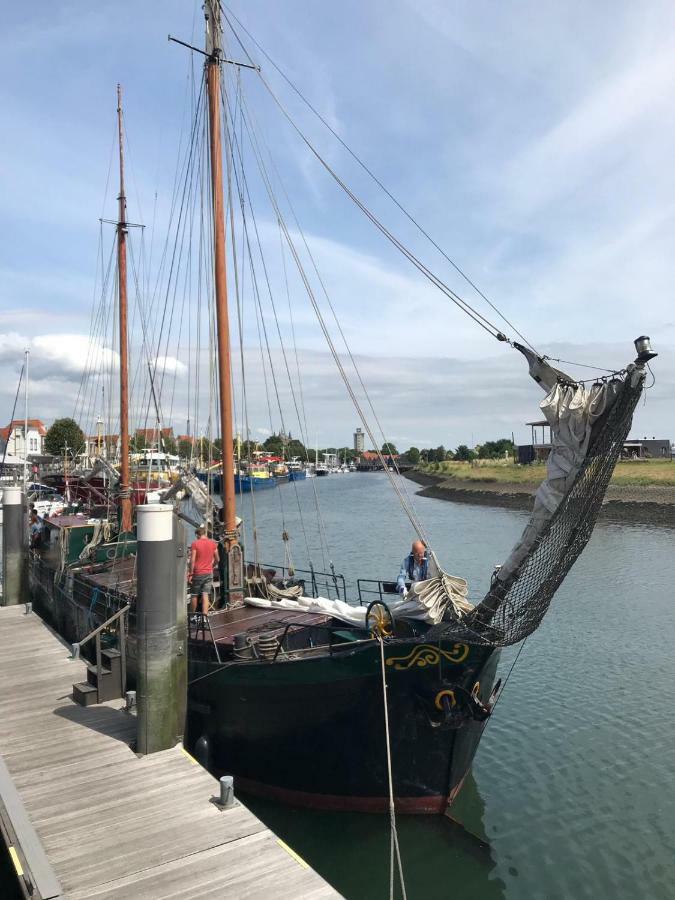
point(572, 783)
point(573, 778)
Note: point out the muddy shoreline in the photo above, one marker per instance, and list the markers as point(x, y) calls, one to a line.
point(648, 505)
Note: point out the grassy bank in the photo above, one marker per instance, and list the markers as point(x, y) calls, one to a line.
point(654, 471)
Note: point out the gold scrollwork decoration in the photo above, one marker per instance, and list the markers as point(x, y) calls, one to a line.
point(428, 655)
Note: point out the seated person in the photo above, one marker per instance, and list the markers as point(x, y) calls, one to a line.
point(418, 565)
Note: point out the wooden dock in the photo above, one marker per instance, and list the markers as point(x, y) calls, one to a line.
point(87, 818)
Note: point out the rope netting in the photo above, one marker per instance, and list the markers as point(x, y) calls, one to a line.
point(512, 609)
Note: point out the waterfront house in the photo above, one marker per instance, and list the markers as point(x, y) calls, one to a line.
point(150, 436)
point(14, 441)
point(103, 445)
point(369, 461)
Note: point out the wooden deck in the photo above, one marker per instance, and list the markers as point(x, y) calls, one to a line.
point(92, 820)
point(225, 623)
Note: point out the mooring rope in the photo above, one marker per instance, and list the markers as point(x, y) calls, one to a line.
point(394, 848)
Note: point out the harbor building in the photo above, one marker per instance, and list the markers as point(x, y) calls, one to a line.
point(18, 440)
point(152, 436)
point(359, 440)
point(646, 448)
point(634, 448)
point(540, 447)
point(102, 445)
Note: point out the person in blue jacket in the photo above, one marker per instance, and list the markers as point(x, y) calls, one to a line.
point(418, 565)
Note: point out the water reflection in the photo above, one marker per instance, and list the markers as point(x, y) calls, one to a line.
point(351, 850)
point(576, 766)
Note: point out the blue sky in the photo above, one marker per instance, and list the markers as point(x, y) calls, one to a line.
point(534, 141)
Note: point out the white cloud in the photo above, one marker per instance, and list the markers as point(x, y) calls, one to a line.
point(538, 153)
point(169, 365)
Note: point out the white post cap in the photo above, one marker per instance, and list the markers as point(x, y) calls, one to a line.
point(12, 496)
point(154, 522)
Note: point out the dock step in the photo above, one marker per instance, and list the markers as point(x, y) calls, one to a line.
point(92, 674)
point(112, 659)
point(85, 694)
point(104, 685)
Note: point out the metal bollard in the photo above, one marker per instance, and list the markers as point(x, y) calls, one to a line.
point(227, 792)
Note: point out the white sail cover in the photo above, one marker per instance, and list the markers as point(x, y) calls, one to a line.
point(426, 601)
point(571, 410)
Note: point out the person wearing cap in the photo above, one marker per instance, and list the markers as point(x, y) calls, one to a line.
point(203, 559)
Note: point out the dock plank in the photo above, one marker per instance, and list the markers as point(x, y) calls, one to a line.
point(113, 825)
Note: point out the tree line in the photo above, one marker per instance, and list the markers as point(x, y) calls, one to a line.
point(489, 450)
point(67, 433)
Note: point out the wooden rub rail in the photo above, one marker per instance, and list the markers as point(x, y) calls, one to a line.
point(33, 870)
point(87, 818)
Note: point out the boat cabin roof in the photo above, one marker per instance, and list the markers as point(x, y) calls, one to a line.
point(67, 521)
point(225, 623)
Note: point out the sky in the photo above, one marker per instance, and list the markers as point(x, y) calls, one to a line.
point(533, 141)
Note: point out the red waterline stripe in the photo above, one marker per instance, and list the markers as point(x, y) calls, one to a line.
point(435, 804)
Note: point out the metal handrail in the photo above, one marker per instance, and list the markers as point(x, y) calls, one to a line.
point(96, 633)
point(379, 591)
point(326, 578)
point(118, 615)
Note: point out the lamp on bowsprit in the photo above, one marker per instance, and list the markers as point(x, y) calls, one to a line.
point(644, 349)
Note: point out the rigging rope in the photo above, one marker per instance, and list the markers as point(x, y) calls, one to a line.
point(245, 197)
point(464, 305)
point(405, 504)
point(394, 849)
point(16, 399)
point(251, 127)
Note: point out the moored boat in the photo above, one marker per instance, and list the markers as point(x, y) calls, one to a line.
point(288, 681)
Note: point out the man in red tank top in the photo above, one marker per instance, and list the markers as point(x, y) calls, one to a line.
point(203, 559)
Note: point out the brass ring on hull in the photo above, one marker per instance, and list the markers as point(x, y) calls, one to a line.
point(446, 692)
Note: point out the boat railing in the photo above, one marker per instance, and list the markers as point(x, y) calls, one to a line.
point(316, 584)
point(198, 622)
point(369, 589)
point(120, 618)
point(331, 646)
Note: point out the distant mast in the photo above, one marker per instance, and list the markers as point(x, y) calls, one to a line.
point(25, 424)
point(213, 85)
point(124, 485)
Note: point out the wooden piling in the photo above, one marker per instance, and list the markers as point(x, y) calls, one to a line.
point(162, 653)
point(14, 548)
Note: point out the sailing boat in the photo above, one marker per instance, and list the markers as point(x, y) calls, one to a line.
point(287, 689)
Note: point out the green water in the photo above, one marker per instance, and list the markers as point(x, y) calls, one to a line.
point(573, 777)
point(573, 780)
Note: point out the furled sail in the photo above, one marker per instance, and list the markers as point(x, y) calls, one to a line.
point(589, 426)
point(571, 410)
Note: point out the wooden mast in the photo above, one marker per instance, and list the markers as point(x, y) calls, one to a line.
point(124, 485)
point(214, 55)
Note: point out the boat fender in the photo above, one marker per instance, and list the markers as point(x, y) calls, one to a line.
point(202, 751)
